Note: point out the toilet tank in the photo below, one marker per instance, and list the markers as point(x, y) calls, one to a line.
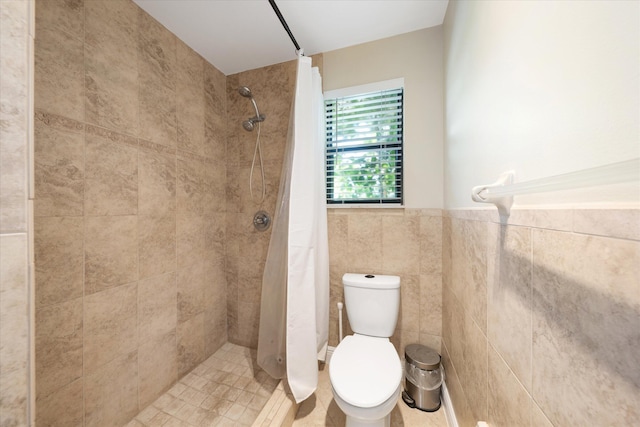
point(372, 302)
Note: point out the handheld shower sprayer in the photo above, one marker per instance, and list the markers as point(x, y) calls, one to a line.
point(248, 124)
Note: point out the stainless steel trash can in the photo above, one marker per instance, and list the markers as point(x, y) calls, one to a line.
point(423, 377)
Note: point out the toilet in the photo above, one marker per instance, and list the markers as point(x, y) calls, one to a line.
point(365, 369)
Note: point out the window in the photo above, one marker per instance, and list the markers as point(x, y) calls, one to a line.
point(364, 134)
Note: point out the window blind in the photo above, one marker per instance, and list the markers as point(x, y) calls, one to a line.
point(364, 135)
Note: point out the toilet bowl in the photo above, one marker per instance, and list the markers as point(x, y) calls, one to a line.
point(365, 370)
point(366, 376)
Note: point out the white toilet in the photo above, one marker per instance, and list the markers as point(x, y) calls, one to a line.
point(365, 369)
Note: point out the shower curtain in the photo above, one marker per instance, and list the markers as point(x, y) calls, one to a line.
point(294, 312)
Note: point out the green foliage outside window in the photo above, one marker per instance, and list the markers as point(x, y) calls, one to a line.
point(364, 148)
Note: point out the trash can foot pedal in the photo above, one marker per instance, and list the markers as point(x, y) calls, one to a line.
point(408, 400)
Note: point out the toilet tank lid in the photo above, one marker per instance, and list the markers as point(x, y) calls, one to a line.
point(372, 281)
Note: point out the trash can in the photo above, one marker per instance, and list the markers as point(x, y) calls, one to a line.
point(423, 378)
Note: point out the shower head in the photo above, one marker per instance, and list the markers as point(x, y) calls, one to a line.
point(249, 123)
point(245, 91)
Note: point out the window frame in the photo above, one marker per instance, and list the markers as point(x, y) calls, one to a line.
point(386, 85)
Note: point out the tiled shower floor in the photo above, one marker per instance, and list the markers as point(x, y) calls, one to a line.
point(227, 389)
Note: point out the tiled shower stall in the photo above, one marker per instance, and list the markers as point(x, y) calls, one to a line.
point(147, 261)
point(146, 257)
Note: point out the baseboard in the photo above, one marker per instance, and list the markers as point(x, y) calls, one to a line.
point(448, 407)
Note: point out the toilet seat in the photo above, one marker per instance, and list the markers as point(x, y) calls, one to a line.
point(365, 371)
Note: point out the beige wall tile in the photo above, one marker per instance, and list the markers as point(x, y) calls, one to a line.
point(215, 113)
point(156, 244)
point(110, 326)
point(468, 348)
point(157, 306)
point(189, 240)
point(409, 316)
point(14, 131)
point(190, 99)
point(130, 194)
point(256, 244)
point(15, 391)
point(538, 418)
point(232, 189)
point(463, 412)
point(621, 223)
point(112, 27)
point(469, 267)
point(191, 185)
point(430, 244)
point(215, 326)
point(190, 338)
point(157, 112)
point(215, 234)
point(111, 173)
point(58, 165)
point(509, 404)
point(365, 243)
point(111, 90)
point(248, 318)
point(59, 73)
point(156, 180)
point(14, 290)
point(63, 407)
point(586, 305)
point(190, 284)
point(447, 269)
point(338, 230)
point(509, 299)
point(59, 259)
point(158, 369)
point(15, 107)
point(430, 321)
point(158, 76)
point(400, 244)
point(215, 176)
point(215, 288)
point(431, 341)
point(111, 252)
point(553, 219)
point(59, 335)
point(61, 15)
point(111, 396)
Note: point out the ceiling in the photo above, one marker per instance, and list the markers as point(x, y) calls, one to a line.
point(239, 35)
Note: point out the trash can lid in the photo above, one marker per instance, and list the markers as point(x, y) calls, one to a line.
point(422, 356)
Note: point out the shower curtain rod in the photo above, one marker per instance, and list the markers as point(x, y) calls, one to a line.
point(284, 24)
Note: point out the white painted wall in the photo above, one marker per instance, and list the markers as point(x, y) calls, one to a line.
point(416, 57)
point(541, 87)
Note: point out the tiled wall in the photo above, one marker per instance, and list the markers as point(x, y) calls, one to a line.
point(541, 317)
point(130, 215)
point(272, 88)
point(16, 35)
point(403, 242)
